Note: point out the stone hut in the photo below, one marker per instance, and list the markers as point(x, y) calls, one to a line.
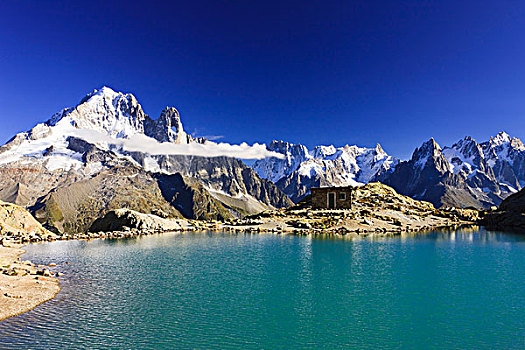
point(332, 197)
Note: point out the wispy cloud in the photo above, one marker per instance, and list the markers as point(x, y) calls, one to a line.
point(145, 144)
point(195, 133)
point(213, 137)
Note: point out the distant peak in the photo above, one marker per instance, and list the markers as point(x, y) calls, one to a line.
point(516, 143)
point(428, 150)
point(170, 111)
point(103, 92)
point(379, 149)
point(171, 117)
point(106, 89)
point(501, 138)
point(281, 146)
point(431, 144)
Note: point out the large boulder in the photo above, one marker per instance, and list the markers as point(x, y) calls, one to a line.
point(119, 219)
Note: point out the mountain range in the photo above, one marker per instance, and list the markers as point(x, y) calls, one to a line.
point(466, 174)
point(301, 169)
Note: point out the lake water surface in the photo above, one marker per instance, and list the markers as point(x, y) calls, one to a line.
point(460, 289)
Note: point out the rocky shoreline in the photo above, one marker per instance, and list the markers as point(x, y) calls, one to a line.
point(23, 286)
point(294, 227)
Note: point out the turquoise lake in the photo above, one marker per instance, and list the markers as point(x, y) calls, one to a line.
point(460, 289)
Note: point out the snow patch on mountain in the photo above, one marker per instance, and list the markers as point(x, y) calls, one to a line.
point(465, 157)
point(45, 143)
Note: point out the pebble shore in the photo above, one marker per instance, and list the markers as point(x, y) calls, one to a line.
point(23, 286)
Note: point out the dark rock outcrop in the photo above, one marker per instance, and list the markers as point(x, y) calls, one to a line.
point(510, 214)
point(190, 198)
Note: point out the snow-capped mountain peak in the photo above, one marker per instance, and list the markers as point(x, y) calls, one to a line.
point(465, 156)
point(113, 113)
point(323, 151)
point(502, 146)
point(274, 169)
point(500, 139)
point(379, 150)
point(105, 112)
point(429, 153)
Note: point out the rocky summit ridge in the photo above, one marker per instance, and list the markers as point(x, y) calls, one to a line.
point(120, 115)
point(466, 174)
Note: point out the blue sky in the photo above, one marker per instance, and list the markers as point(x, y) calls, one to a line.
point(314, 72)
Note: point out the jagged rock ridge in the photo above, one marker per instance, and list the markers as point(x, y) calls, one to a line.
point(302, 169)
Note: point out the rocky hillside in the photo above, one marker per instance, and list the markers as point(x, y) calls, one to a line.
point(15, 220)
point(106, 153)
point(376, 209)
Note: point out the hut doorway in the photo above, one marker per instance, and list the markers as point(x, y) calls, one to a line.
point(331, 200)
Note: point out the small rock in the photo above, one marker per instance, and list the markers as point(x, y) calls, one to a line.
point(367, 221)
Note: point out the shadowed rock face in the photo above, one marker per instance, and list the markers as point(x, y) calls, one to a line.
point(190, 198)
point(298, 186)
point(74, 206)
point(510, 214)
point(225, 175)
point(514, 203)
